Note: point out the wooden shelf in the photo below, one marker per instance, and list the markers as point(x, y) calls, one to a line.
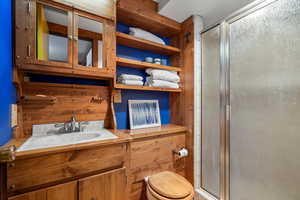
point(135, 14)
point(134, 42)
point(39, 98)
point(144, 65)
point(146, 88)
point(155, 131)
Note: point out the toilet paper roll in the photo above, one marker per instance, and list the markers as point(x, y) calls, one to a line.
point(183, 153)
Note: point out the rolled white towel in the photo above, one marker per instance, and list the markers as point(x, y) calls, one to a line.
point(165, 75)
point(140, 33)
point(160, 83)
point(131, 82)
point(130, 77)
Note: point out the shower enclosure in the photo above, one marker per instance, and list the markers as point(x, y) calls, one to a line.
point(250, 138)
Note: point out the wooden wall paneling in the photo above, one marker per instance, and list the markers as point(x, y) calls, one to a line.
point(111, 121)
point(32, 173)
point(71, 100)
point(67, 191)
point(177, 100)
point(138, 191)
point(150, 156)
point(188, 92)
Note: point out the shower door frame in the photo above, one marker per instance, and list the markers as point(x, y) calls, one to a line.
point(225, 107)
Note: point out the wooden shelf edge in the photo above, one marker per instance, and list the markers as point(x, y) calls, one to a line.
point(67, 72)
point(148, 20)
point(134, 42)
point(39, 98)
point(146, 88)
point(155, 131)
point(144, 65)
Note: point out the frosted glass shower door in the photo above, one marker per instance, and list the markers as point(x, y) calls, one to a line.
point(210, 144)
point(265, 104)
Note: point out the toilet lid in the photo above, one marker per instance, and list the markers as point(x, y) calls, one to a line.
point(170, 185)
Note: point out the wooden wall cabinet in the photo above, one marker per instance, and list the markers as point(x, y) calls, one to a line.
point(105, 8)
point(56, 38)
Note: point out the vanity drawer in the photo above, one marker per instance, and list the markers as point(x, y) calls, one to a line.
point(34, 172)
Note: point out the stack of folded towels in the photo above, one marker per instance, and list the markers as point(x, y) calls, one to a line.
point(128, 79)
point(162, 78)
point(140, 33)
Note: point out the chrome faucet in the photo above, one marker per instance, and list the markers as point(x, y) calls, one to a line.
point(71, 126)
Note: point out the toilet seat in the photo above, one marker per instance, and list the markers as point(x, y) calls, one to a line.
point(169, 186)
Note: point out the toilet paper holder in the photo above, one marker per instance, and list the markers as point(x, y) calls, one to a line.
point(183, 152)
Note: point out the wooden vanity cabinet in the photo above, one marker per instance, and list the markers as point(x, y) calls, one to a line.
point(97, 173)
point(110, 185)
point(51, 38)
point(106, 186)
point(67, 191)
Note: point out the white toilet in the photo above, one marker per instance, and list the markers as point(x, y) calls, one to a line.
point(167, 186)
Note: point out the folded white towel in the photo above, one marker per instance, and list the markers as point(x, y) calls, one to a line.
point(130, 77)
point(165, 75)
point(137, 32)
point(160, 83)
point(131, 82)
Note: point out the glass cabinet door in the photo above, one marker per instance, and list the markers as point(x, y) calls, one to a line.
point(53, 35)
point(88, 43)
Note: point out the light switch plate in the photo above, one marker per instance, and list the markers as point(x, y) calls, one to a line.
point(117, 96)
point(14, 115)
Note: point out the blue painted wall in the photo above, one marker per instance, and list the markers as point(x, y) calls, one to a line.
point(65, 80)
point(7, 91)
point(121, 110)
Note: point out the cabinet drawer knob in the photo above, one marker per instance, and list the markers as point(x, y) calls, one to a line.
point(12, 187)
point(11, 164)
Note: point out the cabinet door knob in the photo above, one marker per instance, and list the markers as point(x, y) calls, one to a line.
point(93, 198)
point(12, 187)
point(11, 164)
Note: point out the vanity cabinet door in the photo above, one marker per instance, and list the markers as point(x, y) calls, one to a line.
point(66, 191)
point(107, 186)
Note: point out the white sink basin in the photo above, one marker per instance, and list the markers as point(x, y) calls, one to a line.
point(78, 137)
point(55, 140)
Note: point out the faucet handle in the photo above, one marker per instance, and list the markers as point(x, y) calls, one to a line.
point(73, 119)
point(59, 125)
point(81, 125)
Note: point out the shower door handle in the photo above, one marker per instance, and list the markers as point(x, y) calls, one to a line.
point(228, 111)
